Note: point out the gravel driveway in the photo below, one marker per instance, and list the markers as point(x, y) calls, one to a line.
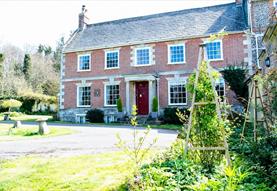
point(88, 140)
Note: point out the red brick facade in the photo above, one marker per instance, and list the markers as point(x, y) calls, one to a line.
point(233, 53)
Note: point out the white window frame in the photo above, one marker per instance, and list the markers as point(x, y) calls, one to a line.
point(221, 50)
point(169, 53)
point(78, 62)
point(176, 82)
point(78, 94)
point(106, 64)
point(150, 56)
point(275, 4)
point(105, 92)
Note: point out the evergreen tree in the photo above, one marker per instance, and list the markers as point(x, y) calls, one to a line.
point(58, 54)
point(1, 64)
point(1, 72)
point(27, 66)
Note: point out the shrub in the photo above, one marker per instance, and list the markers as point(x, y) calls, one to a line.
point(155, 104)
point(10, 104)
point(170, 115)
point(95, 116)
point(119, 105)
point(236, 77)
point(29, 99)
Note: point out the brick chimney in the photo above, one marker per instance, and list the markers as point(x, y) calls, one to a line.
point(82, 17)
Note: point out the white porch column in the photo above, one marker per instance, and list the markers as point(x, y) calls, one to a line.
point(127, 97)
point(158, 93)
point(151, 94)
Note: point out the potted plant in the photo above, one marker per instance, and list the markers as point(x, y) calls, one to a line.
point(119, 108)
point(154, 113)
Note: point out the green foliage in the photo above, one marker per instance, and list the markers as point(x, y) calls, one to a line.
point(137, 151)
point(10, 104)
point(1, 65)
point(29, 99)
point(50, 87)
point(171, 117)
point(260, 155)
point(1, 57)
point(155, 104)
point(58, 53)
point(207, 129)
point(235, 78)
point(27, 66)
point(12, 114)
point(44, 49)
point(119, 105)
point(270, 90)
point(95, 116)
point(171, 171)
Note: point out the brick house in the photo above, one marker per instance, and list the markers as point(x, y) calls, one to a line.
point(139, 58)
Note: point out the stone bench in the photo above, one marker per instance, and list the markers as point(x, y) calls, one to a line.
point(43, 128)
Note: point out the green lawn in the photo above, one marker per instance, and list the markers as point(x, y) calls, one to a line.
point(29, 132)
point(24, 117)
point(107, 171)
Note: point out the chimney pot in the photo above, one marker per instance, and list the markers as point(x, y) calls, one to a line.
point(82, 17)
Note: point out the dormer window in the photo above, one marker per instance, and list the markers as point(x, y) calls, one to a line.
point(84, 62)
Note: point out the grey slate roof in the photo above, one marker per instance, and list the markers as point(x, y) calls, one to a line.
point(164, 26)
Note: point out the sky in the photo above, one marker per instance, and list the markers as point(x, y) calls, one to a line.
point(34, 22)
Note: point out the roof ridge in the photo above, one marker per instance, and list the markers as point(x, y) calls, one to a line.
point(129, 19)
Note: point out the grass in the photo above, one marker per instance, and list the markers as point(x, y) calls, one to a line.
point(23, 117)
point(97, 172)
point(33, 118)
point(27, 132)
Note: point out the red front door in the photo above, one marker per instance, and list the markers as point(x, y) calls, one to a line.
point(142, 98)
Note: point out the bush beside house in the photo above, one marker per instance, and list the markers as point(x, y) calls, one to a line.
point(170, 115)
point(95, 116)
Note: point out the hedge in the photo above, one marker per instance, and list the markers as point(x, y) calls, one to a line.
point(30, 99)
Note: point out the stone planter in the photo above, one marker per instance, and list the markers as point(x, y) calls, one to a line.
point(120, 115)
point(154, 115)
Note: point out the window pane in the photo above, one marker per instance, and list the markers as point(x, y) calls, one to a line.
point(220, 88)
point(84, 62)
point(213, 50)
point(112, 94)
point(112, 59)
point(143, 56)
point(177, 54)
point(178, 94)
point(84, 96)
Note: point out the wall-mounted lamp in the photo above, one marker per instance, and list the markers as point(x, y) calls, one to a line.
point(267, 62)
